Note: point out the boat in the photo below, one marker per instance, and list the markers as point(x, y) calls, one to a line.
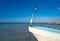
point(44, 33)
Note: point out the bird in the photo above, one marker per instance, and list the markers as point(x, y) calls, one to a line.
point(35, 8)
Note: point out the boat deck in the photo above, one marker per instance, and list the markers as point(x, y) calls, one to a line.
point(47, 29)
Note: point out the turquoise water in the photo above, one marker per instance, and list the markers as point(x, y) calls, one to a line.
point(20, 32)
point(48, 29)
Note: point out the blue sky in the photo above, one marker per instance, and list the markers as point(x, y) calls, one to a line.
point(21, 10)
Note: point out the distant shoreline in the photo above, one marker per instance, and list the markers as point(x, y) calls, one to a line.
point(24, 23)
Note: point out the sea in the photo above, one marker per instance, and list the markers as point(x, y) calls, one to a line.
point(20, 32)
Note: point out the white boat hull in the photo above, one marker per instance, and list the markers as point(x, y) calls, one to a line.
point(43, 35)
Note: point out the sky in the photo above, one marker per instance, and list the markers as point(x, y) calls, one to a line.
point(21, 10)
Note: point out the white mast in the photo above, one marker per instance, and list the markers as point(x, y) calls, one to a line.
point(31, 19)
point(35, 9)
